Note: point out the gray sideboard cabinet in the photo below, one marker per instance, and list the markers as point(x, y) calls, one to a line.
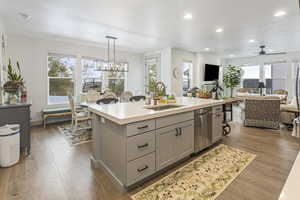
point(18, 114)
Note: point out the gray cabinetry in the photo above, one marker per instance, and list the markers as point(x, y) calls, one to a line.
point(185, 140)
point(132, 152)
point(217, 125)
point(174, 143)
point(165, 147)
point(18, 114)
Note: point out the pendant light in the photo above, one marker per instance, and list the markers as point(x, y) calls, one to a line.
point(114, 67)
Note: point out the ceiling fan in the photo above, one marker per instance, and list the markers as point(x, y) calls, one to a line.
point(262, 52)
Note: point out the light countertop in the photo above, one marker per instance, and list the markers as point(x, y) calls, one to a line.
point(290, 189)
point(125, 113)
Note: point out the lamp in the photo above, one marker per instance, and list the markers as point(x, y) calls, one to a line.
point(261, 85)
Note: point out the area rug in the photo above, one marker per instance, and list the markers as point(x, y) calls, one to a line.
point(82, 135)
point(205, 178)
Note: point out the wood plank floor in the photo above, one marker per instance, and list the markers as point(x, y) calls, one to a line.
point(57, 171)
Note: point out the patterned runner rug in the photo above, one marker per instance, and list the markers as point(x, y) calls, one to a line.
point(205, 178)
point(80, 136)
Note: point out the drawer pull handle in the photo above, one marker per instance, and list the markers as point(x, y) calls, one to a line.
point(142, 169)
point(142, 146)
point(177, 132)
point(142, 127)
point(180, 131)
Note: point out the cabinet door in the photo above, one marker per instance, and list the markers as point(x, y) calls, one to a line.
point(217, 126)
point(185, 140)
point(165, 147)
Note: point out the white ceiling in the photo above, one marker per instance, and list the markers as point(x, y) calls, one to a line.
point(144, 25)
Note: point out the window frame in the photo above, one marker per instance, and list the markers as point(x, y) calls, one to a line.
point(73, 77)
point(191, 71)
point(157, 57)
point(106, 78)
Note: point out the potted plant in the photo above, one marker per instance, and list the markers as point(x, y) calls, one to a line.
point(232, 78)
point(15, 80)
point(201, 93)
point(216, 90)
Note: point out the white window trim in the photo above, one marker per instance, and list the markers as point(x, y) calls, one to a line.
point(76, 76)
point(48, 85)
point(191, 72)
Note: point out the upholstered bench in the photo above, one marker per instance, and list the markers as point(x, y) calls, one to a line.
point(56, 112)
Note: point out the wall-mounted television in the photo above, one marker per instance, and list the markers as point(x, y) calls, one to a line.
point(211, 72)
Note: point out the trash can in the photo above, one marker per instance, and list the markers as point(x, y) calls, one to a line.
point(9, 145)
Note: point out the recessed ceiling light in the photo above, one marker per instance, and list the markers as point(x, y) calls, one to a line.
point(188, 16)
point(279, 13)
point(231, 55)
point(219, 30)
point(207, 49)
point(24, 16)
point(251, 41)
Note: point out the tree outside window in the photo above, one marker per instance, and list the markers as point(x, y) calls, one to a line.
point(60, 78)
point(152, 65)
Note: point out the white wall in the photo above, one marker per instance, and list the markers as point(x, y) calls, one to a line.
point(203, 59)
point(32, 55)
point(2, 58)
point(172, 58)
point(178, 57)
point(165, 66)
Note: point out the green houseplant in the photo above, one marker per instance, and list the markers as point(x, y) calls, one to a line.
point(232, 77)
point(15, 80)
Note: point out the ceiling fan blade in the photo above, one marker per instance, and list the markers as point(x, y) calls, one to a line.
point(278, 53)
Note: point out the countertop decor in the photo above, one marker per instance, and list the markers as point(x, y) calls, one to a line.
point(232, 77)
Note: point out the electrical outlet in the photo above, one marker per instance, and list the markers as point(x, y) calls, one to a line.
point(102, 120)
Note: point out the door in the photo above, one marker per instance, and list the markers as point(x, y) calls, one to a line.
point(217, 126)
point(165, 147)
point(184, 144)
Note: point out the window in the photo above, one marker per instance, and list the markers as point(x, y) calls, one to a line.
point(250, 77)
point(187, 75)
point(95, 79)
point(92, 77)
point(60, 78)
point(275, 76)
point(152, 66)
point(116, 81)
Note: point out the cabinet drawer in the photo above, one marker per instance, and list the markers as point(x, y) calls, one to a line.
point(140, 145)
point(174, 119)
point(140, 127)
point(140, 168)
point(217, 127)
point(217, 109)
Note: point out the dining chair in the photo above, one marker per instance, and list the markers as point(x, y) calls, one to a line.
point(107, 101)
point(92, 96)
point(109, 95)
point(125, 96)
point(137, 98)
point(78, 116)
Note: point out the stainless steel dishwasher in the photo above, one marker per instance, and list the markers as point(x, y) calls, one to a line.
point(203, 129)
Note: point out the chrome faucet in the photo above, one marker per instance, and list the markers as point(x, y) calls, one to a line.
point(158, 86)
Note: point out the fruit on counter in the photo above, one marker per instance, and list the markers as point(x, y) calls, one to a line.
point(171, 97)
point(203, 94)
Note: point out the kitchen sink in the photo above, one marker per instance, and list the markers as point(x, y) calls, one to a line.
point(163, 107)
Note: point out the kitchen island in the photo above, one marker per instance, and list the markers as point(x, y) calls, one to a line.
point(133, 142)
